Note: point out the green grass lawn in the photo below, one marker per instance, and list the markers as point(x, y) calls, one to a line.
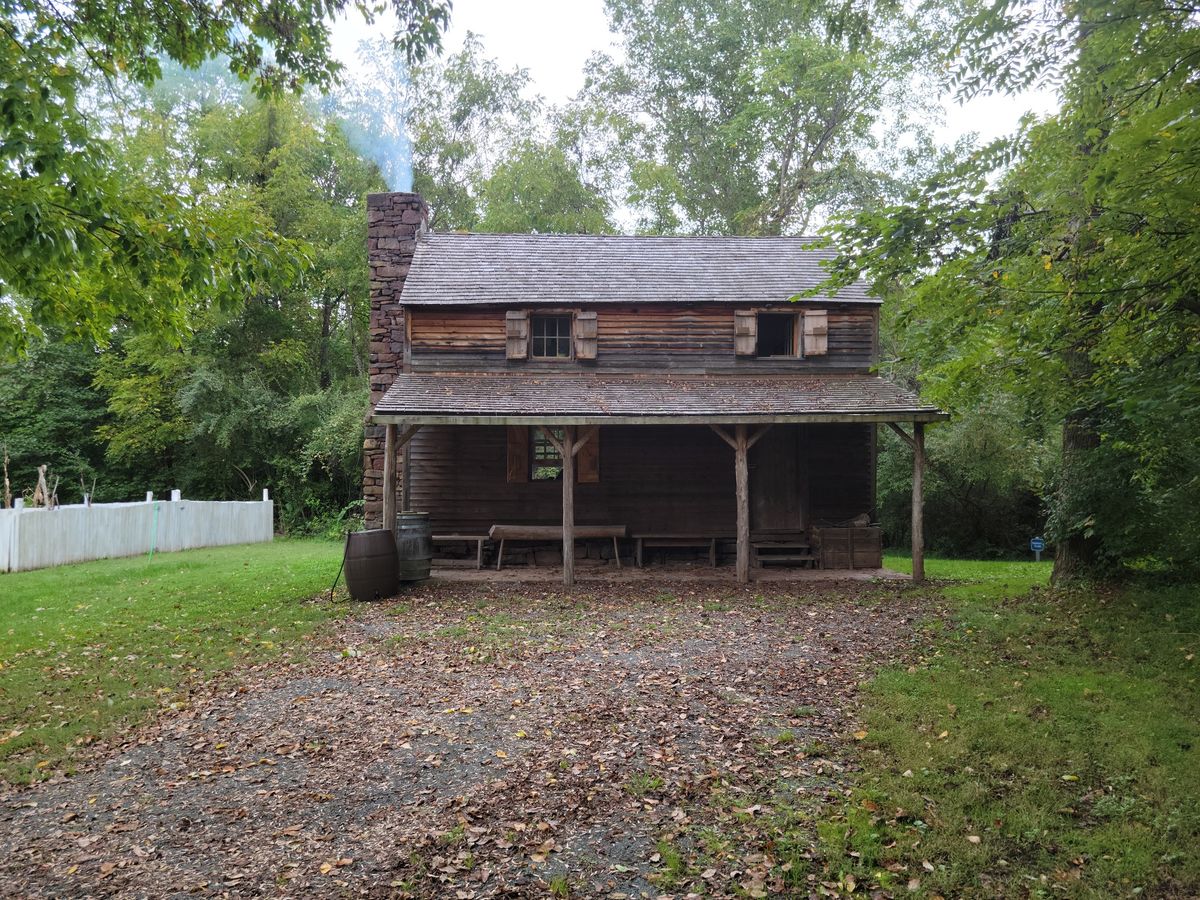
point(90, 649)
point(1046, 744)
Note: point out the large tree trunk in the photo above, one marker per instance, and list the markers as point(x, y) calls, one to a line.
point(1076, 554)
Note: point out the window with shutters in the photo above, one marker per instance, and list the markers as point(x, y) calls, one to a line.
point(533, 458)
point(550, 336)
point(772, 334)
point(545, 462)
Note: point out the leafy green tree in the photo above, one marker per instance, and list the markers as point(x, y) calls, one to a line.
point(539, 189)
point(86, 243)
point(754, 115)
point(462, 114)
point(49, 415)
point(238, 402)
point(1064, 265)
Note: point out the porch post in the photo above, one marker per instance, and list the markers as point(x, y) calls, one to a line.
point(742, 482)
point(389, 477)
point(918, 503)
point(568, 516)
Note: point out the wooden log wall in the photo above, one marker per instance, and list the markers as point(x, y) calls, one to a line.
point(841, 460)
point(652, 478)
point(696, 339)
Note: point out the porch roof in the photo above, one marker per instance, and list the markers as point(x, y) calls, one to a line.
point(531, 399)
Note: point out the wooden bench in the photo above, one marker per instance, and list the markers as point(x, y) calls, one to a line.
point(466, 538)
point(664, 540)
point(504, 533)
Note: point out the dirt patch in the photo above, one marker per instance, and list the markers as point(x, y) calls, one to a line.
point(478, 740)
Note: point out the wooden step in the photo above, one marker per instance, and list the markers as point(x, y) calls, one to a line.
point(791, 559)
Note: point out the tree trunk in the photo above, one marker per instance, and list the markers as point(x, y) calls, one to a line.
point(323, 367)
point(1075, 554)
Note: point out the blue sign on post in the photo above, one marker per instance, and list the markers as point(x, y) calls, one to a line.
point(1037, 545)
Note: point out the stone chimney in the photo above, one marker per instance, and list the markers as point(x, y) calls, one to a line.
point(394, 222)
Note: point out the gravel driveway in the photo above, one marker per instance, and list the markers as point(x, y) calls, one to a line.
point(480, 740)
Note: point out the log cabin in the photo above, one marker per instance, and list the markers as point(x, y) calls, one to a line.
point(669, 388)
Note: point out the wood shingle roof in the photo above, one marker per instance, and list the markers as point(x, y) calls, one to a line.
point(451, 268)
point(597, 399)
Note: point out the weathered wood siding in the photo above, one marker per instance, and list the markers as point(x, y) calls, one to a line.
point(696, 339)
point(652, 478)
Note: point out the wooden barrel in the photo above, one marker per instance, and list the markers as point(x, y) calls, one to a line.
point(371, 565)
point(414, 545)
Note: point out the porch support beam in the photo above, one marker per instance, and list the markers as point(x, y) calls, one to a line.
point(754, 438)
point(916, 443)
point(588, 433)
point(568, 516)
point(741, 472)
point(904, 435)
point(741, 442)
point(724, 435)
point(389, 477)
point(918, 503)
point(393, 439)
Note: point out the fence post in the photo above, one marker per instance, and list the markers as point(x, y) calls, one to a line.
point(149, 496)
point(266, 495)
point(176, 495)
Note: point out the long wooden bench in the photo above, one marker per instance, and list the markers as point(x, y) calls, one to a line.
point(675, 539)
point(465, 538)
point(502, 533)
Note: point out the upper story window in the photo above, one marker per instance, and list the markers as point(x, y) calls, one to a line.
point(551, 336)
point(777, 335)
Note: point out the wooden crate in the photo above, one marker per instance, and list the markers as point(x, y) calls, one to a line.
point(851, 548)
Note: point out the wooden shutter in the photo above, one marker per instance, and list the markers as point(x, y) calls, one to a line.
point(587, 460)
point(516, 333)
point(518, 454)
point(585, 335)
point(816, 332)
point(745, 332)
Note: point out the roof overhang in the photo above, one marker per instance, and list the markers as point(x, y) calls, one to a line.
point(807, 418)
point(548, 399)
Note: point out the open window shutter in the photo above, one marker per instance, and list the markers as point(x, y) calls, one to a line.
point(587, 460)
point(518, 454)
point(516, 333)
point(585, 335)
point(745, 332)
point(816, 332)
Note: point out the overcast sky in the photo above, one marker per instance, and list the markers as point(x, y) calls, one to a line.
point(554, 38)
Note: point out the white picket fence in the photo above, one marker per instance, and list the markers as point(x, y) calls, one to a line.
point(39, 538)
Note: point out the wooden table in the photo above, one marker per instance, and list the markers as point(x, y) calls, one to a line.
point(466, 538)
point(674, 539)
point(504, 533)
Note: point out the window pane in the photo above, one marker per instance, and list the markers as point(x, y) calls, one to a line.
point(551, 336)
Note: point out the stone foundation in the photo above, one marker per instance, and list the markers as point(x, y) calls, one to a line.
point(394, 222)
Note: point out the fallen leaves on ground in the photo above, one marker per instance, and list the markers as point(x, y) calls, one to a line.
point(636, 740)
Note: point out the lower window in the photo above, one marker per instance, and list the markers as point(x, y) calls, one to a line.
point(545, 462)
